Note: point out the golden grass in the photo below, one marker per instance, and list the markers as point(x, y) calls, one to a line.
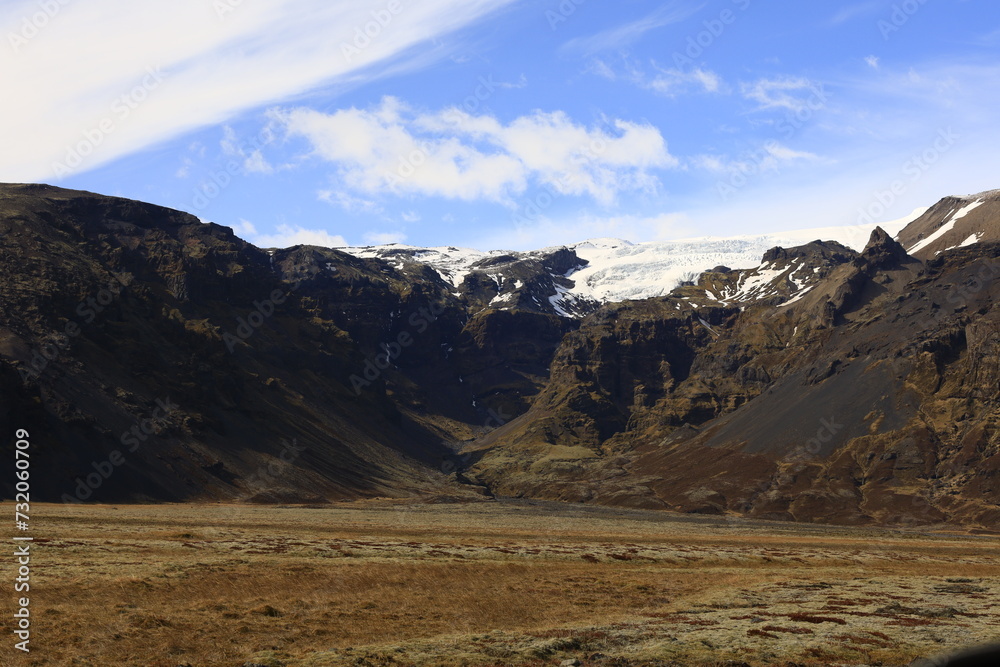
point(379, 583)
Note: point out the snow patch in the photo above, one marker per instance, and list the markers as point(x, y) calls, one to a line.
point(795, 298)
point(946, 227)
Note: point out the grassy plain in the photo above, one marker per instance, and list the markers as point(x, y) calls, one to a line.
point(384, 583)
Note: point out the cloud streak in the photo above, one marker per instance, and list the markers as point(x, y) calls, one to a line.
point(624, 35)
point(791, 93)
point(665, 81)
point(850, 12)
point(214, 66)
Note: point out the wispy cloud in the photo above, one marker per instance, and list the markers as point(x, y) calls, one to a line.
point(665, 81)
point(452, 154)
point(792, 93)
point(212, 68)
point(348, 202)
point(624, 35)
point(872, 61)
point(770, 157)
point(245, 229)
point(670, 82)
point(251, 156)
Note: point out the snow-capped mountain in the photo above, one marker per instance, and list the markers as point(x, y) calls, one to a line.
point(954, 222)
point(606, 269)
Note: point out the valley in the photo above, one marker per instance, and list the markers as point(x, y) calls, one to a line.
point(384, 582)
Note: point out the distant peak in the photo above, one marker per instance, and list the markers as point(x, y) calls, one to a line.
point(882, 249)
point(988, 194)
point(878, 237)
point(606, 242)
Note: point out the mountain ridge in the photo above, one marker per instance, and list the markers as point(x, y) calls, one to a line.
point(615, 269)
point(819, 384)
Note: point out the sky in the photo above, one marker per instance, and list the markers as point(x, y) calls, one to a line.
point(505, 124)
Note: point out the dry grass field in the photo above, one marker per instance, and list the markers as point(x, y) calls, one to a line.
point(387, 584)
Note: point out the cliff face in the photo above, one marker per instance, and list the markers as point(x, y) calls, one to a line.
point(152, 356)
point(115, 309)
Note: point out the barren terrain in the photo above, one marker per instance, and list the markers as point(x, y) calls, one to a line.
point(492, 583)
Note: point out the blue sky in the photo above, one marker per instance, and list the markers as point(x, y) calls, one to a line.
point(505, 124)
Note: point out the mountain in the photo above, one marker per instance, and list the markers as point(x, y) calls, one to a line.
point(606, 270)
point(954, 222)
point(869, 396)
point(117, 312)
point(818, 379)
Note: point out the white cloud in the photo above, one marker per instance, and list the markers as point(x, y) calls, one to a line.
point(785, 154)
point(245, 229)
point(289, 235)
point(792, 93)
point(666, 81)
point(455, 155)
point(602, 69)
point(185, 169)
point(623, 35)
point(872, 61)
point(255, 163)
point(767, 158)
point(670, 82)
point(522, 82)
point(207, 68)
point(410, 216)
point(348, 202)
point(248, 151)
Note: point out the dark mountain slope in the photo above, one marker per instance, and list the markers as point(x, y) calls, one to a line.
point(873, 398)
point(954, 222)
point(110, 306)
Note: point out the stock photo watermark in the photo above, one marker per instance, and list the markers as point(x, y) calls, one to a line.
point(224, 7)
point(268, 475)
point(766, 159)
point(699, 43)
point(370, 31)
point(912, 170)
point(900, 16)
point(495, 418)
point(456, 116)
point(376, 364)
point(133, 438)
point(963, 294)
point(87, 310)
point(532, 210)
point(22, 543)
point(220, 179)
point(262, 311)
point(33, 25)
point(563, 11)
point(120, 109)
